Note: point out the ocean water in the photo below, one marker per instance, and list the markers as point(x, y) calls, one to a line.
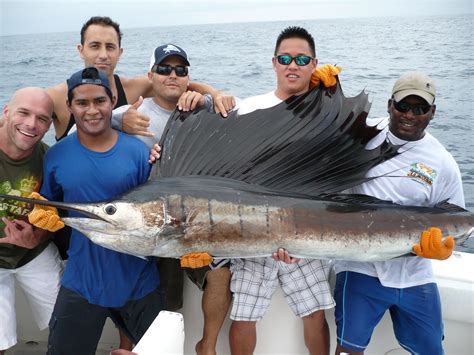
point(236, 58)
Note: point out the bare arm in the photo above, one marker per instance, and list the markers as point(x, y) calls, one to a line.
point(61, 114)
point(222, 103)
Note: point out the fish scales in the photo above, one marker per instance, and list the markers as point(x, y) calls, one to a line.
point(176, 216)
point(307, 228)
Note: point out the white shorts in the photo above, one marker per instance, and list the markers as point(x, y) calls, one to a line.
point(40, 281)
point(304, 284)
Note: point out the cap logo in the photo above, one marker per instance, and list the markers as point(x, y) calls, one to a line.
point(428, 85)
point(91, 81)
point(170, 48)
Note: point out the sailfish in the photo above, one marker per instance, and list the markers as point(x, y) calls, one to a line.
point(246, 185)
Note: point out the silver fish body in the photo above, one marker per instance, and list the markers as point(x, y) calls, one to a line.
point(237, 220)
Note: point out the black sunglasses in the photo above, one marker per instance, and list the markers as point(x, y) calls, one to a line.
point(166, 69)
point(417, 110)
point(301, 60)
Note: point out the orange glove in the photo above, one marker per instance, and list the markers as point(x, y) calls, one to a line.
point(44, 217)
point(433, 247)
point(326, 74)
point(196, 260)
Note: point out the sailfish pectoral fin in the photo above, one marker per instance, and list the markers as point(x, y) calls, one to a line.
point(463, 239)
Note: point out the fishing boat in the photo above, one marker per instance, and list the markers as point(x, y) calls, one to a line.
point(280, 332)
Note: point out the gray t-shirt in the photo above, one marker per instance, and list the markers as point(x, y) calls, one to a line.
point(158, 118)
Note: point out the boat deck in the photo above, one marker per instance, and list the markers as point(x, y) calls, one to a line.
point(280, 332)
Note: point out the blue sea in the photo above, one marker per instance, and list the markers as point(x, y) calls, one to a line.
point(236, 58)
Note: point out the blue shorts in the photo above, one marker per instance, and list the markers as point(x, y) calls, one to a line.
point(361, 302)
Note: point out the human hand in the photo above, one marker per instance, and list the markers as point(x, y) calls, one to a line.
point(189, 100)
point(135, 122)
point(223, 104)
point(20, 233)
point(326, 74)
point(122, 352)
point(432, 246)
point(195, 260)
point(44, 217)
point(282, 255)
point(154, 154)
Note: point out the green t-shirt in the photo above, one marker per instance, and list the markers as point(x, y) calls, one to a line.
point(19, 178)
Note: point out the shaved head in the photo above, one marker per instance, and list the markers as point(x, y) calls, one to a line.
point(26, 119)
point(38, 93)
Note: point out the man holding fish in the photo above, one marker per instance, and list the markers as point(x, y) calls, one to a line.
point(96, 163)
point(423, 174)
point(27, 258)
point(300, 57)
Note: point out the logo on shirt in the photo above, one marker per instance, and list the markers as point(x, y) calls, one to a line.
point(422, 173)
point(21, 188)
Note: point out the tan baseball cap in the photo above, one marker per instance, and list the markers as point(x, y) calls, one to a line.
point(414, 83)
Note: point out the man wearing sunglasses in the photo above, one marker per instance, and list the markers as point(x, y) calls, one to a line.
point(169, 77)
point(100, 46)
point(304, 282)
point(423, 174)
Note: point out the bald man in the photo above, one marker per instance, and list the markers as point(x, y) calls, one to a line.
point(26, 256)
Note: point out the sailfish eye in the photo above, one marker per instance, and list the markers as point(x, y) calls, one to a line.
point(110, 209)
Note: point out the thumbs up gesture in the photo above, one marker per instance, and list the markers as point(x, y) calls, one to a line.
point(135, 122)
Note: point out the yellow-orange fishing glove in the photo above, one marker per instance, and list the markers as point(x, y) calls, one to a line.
point(326, 74)
point(44, 217)
point(433, 247)
point(195, 260)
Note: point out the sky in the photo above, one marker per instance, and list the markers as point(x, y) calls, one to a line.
point(39, 16)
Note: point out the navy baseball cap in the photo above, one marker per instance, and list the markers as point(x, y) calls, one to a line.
point(90, 75)
point(167, 50)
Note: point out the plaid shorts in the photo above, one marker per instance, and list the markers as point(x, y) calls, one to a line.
point(304, 284)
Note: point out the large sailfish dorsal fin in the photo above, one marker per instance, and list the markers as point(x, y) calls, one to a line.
point(309, 144)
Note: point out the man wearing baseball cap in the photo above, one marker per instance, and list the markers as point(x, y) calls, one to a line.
point(97, 163)
point(169, 76)
point(101, 46)
point(423, 174)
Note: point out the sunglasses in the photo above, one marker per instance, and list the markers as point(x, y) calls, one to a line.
point(166, 69)
point(300, 60)
point(417, 110)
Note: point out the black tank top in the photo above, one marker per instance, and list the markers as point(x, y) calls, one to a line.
point(121, 101)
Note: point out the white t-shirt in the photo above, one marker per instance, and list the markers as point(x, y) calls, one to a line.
point(257, 102)
point(424, 174)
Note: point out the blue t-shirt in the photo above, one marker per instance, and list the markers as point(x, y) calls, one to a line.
point(73, 173)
